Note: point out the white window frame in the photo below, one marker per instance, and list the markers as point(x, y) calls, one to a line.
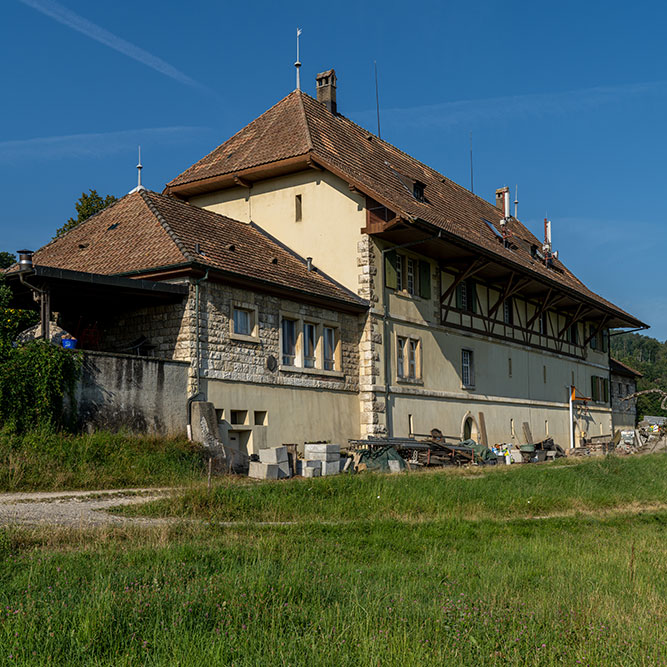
point(411, 276)
point(310, 360)
point(467, 368)
point(335, 348)
point(251, 310)
point(296, 356)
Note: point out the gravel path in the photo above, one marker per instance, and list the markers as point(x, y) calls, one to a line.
point(76, 508)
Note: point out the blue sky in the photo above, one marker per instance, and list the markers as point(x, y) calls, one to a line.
point(564, 99)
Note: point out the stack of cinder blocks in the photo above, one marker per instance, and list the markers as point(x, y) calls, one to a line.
point(273, 464)
point(321, 460)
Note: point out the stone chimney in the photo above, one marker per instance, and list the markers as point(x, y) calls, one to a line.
point(326, 89)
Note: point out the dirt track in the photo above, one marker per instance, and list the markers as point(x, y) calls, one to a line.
point(75, 508)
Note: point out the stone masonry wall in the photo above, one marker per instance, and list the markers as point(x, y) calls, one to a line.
point(224, 357)
point(372, 404)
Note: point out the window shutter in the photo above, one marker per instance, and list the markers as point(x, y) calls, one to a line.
point(390, 261)
point(605, 340)
point(593, 341)
point(459, 296)
point(594, 387)
point(424, 280)
point(605, 383)
point(472, 296)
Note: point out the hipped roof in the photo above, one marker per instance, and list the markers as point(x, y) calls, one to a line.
point(299, 126)
point(145, 231)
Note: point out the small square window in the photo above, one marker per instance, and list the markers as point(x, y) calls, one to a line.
point(261, 418)
point(243, 321)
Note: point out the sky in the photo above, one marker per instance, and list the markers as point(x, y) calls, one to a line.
point(564, 100)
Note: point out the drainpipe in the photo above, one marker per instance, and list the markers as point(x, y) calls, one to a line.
point(572, 390)
point(196, 393)
point(386, 342)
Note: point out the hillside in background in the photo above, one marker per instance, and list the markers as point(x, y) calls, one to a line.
point(649, 357)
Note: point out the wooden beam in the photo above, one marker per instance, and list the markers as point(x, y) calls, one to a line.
point(313, 165)
point(475, 267)
point(508, 291)
point(579, 314)
point(603, 321)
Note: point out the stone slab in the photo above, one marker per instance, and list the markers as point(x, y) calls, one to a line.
point(284, 471)
point(273, 455)
point(259, 470)
point(516, 456)
point(394, 466)
point(323, 456)
point(313, 464)
point(311, 472)
point(320, 448)
point(330, 468)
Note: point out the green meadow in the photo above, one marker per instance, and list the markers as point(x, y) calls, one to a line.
point(450, 569)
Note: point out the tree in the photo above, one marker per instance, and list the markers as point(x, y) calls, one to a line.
point(86, 205)
point(7, 259)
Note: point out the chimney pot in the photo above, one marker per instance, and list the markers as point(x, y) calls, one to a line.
point(25, 260)
point(326, 89)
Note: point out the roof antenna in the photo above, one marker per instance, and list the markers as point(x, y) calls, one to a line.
point(377, 97)
point(472, 188)
point(139, 168)
point(297, 64)
point(516, 202)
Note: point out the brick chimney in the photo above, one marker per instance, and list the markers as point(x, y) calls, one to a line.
point(502, 200)
point(326, 89)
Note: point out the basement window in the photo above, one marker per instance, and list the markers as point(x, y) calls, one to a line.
point(238, 417)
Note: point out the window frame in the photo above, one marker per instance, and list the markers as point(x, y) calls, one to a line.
point(467, 367)
point(409, 359)
point(284, 357)
point(252, 312)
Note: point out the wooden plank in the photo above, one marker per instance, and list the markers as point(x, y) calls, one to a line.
point(482, 430)
point(527, 433)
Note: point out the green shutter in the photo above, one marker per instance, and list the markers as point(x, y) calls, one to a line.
point(605, 340)
point(605, 383)
point(424, 280)
point(472, 296)
point(594, 387)
point(390, 277)
point(459, 296)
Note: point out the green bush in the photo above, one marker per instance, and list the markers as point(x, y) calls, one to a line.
point(34, 379)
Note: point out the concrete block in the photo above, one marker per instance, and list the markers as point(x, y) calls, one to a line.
point(273, 455)
point(323, 456)
point(313, 464)
point(263, 470)
point(311, 472)
point(394, 466)
point(284, 471)
point(516, 456)
point(320, 448)
point(330, 468)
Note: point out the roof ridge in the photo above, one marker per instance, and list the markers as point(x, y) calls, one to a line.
point(83, 222)
point(305, 118)
point(402, 152)
point(167, 227)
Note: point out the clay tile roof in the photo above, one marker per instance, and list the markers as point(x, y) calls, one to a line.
point(299, 125)
point(619, 368)
point(145, 230)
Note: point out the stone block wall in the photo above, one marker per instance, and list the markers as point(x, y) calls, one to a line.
point(224, 357)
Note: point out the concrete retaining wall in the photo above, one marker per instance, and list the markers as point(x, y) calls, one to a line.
point(138, 394)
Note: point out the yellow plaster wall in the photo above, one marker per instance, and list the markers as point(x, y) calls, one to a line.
point(329, 230)
point(294, 415)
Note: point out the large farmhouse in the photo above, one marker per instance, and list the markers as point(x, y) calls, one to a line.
point(323, 285)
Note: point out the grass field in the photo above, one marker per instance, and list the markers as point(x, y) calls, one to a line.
point(375, 589)
point(48, 461)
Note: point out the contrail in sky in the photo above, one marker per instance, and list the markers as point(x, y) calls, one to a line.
point(92, 144)
point(72, 20)
point(449, 114)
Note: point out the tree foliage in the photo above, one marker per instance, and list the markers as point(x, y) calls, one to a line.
point(7, 259)
point(86, 205)
point(649, 357)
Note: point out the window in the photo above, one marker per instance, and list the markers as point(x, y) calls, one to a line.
point(411, 279)
point(298, 208)
point(329, 348)
point(288, 330)
point(573, 334)
point(242, 321)
point(309, 343)
point(594, 338)
point(599, 389)
point(544, 374)
point(400, 356)
point(399, 272)
point(408, 358)
point(467, 368)
point(466, 296)
point(413, 350)
point(509, 366)
point(544, 321)
point(508, 312)
point(418, 191)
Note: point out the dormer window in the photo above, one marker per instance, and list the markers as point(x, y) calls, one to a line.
point(418, 191)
